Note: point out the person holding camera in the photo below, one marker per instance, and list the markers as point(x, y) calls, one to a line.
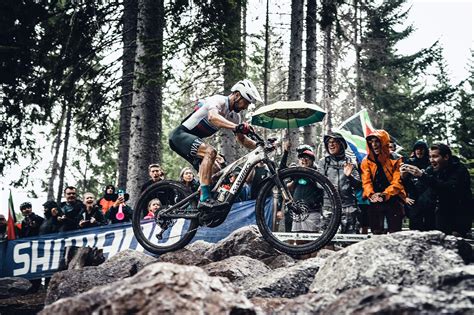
point(31, 222)
point(120, 212)
point(382, 184)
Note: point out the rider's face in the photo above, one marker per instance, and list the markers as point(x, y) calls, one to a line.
point(240, 103)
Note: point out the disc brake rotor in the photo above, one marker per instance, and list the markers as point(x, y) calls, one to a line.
point(299, 210)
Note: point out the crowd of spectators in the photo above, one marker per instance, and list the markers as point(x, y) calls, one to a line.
point(431, 188)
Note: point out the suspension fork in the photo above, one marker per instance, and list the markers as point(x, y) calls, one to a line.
point(286, 194)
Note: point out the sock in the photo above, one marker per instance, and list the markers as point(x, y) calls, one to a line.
point(205, 192)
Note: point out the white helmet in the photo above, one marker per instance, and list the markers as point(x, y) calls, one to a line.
point(248, 91)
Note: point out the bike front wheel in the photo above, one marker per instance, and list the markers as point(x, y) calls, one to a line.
point(158, 234)
point(306, 224)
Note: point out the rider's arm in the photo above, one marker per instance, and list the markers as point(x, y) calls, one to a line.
point(246, 141)
point(218, 120)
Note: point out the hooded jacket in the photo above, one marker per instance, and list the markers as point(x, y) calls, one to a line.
point(452, 190)
point(107, 200)
point(390, 167)
point(422, 162)
point(333, 168)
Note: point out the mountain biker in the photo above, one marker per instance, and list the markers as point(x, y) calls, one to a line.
point(211, 114)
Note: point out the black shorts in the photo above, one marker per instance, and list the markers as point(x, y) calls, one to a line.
point(186, 145)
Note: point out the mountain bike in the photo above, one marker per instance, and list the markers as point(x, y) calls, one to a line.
point(288, 209)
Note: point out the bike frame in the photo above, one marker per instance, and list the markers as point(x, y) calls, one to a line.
point(259, 154)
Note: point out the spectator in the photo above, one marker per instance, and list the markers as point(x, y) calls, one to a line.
point(382, 184)
point(311, 194)
point(187, 178)
point(30, 226)
point(343, 174)
point(112, 216)
point(256, 177)
point(156, 174)
point(3, 227)
point(71, 208)
point(420, 201)
point(51, 223)
point(450, 181)
point(153, 206)
point(108, 199)
point(31, 222)
point(392, 146)
point(91, 215)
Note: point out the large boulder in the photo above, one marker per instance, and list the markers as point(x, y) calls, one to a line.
point(237, 268)
point(403, 258)
point(160, 288)
point(284, 282)
point(246, 241)
point(71, 282)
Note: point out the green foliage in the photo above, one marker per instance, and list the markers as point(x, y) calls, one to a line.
point(390, 86)
point(62, 47)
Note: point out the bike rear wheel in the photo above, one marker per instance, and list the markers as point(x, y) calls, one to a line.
point(306, 225)
point(175, 233)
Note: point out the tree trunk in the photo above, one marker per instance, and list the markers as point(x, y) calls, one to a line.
point(294, 72)
point(356, 27)
point(266, 62)
point(129, 37)
point(232, 48)
point(328, 17)
point(146, 128)
point(65, 148)
point(309, 134)
point(54, 162)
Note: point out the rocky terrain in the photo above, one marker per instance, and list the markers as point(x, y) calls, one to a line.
point(402, 273)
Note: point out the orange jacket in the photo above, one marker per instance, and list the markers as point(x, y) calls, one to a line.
point(391, 168)
point(105, 204)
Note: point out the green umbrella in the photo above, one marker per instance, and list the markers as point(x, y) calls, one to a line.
point(287, 114)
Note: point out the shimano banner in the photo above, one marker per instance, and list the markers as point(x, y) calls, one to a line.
point(38, 257)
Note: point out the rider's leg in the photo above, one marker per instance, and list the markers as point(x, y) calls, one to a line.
point(208, 155)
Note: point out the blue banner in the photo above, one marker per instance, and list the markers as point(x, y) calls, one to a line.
point(37, 257)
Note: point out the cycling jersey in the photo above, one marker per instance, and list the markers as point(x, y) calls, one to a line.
point(186, 138)
point(197, 122)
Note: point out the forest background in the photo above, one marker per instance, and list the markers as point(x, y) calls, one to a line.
point(91, 89)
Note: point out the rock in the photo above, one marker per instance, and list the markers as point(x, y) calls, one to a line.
point(71, 282)
point(403, 258)
point(395, 299)
point(185, 257)
point(199, 247)
point(26, 304)
point(325, 253)
point(310, 303)
point(279, 261)
point(246, 241)
point(79, 257)
point(237, 268)
point(269, 305)
point(284, 282)
point(160, 288)
point(13, 286)
point(458, 281)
